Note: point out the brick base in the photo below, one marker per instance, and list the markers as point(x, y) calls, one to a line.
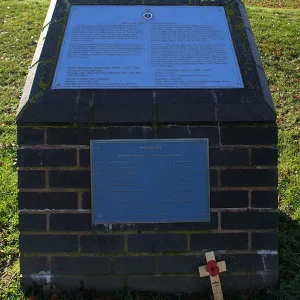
point(58, 243)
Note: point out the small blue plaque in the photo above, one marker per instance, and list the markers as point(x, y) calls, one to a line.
point(147, 181)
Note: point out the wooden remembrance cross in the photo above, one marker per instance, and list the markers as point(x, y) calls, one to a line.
point(213, 269)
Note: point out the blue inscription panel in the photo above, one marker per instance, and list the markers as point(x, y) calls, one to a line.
point(140, 47)
point(145, 181)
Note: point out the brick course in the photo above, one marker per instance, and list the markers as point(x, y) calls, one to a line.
point(102, 243)
point(135, 265)
point(31, 179)
point(48, 243)
point(224, 241)
point(157, 242)
point(48, 200)
point(32, 222)
point(33, 264)
point(80, 265)
point(46, 157)
point(262, 199)
point(69, 179)
point(229, 199)
point(30, 136)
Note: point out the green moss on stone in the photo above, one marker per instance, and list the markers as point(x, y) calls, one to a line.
point(42, 85)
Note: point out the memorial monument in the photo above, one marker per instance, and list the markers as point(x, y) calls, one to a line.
point(147, 137)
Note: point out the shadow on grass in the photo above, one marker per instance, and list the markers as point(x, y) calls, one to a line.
point(289, 264)
point(289, 258)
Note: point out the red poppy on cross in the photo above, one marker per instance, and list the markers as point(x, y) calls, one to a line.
point(212, 269)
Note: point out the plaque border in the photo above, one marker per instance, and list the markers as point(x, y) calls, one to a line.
point(206, 140)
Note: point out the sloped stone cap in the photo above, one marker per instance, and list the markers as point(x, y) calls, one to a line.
point(41, 104)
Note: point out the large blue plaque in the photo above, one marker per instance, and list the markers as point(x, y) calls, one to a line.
point(146, 181)
point(142, 47)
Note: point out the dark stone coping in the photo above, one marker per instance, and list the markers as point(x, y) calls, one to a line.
point(41, 104)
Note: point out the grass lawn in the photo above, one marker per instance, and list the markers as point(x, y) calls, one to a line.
point(276, 24)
